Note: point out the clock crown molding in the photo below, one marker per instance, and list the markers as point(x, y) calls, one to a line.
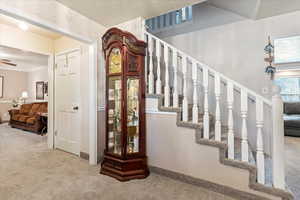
point(115, 35)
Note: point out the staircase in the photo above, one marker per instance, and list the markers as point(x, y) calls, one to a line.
point(169, 20)
point(224, 114)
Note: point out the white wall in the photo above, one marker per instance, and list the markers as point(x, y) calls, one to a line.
point(174, 148)
point(54, 15)
point(14, 83)
point(204, 16)
point(237, 49)
point(133, 26)
point(33, 77)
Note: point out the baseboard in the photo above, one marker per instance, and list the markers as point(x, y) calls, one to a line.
point(222, 189)
point(84, 155)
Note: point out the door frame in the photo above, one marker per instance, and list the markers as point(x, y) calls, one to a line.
point(93, 61)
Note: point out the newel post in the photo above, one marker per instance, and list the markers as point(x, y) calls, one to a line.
point(278, 159)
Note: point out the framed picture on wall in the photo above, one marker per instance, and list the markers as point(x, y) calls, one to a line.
point(46, 88)
point(40, 92)
point(1, 86)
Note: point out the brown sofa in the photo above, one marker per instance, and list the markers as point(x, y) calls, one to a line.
point(28, 117)
point(292, 119)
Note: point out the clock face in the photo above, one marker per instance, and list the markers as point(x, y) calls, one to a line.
point(115, 61)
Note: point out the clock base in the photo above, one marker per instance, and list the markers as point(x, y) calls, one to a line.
point(124, 170)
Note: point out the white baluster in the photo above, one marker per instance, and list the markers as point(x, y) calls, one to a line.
point(158, 22)
point(190, 12)
point(158, 55)
point(230, 99)
point(167, 86)
point(244, 112)
point(218, 110)
point(206, 111)
point(183, 15)
point(260, 157)
point(195, 95)
point(278, 159)
point(185, 81)
point(151, 74)
point(175, 89)
point(168, 19)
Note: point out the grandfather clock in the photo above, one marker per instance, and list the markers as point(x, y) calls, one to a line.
point(125, 151)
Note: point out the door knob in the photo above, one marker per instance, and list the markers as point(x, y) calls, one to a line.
point(75, 108)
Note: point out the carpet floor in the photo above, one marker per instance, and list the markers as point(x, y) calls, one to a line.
point(30, 171)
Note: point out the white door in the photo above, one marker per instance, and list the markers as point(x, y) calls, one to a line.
point(67, 102)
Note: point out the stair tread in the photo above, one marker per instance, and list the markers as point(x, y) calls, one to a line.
point(252, 156)
point(237, 143)
point(238, 153)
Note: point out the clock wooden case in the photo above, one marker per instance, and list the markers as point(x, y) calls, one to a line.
point(125, 151)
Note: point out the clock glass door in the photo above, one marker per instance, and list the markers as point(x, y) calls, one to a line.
point(114, 122)
point(133, 86)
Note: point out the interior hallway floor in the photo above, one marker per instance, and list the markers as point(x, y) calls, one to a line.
point(292, 167)
point(30, 171)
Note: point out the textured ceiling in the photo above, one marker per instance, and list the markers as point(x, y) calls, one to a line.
point(112, 12)
point(25, 60)
point(257, 9)
point(270, 8)
point(246, 8)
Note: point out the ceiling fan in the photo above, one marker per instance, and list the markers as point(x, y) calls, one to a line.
point(7, 62)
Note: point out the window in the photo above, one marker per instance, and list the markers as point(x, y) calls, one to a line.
point(290, 88)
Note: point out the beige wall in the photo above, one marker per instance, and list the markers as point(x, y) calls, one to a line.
point(14, 84)
point(33, 77)
point(65, 44)
point(25, 40)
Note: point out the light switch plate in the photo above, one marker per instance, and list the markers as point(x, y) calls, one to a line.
point(265, 90)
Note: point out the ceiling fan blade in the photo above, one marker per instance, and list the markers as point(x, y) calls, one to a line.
point(5, 60)
point(8, 63)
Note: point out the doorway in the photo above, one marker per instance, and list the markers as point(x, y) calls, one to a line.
point(88, 141)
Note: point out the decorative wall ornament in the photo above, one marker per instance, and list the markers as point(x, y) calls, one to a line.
point(46, 88)
point(40, 90)
point(269, 51)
